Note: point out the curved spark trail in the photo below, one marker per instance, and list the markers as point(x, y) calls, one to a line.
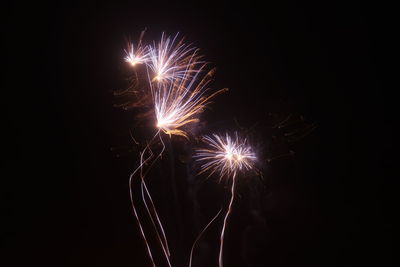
point(199, 236)
point(221, 249)
point(163, 239)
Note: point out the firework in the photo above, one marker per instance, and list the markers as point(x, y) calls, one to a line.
point(180, 103)
point(135, 55)
point(171, 59)
point(226, 156)
point(138, 54)
point(177, 83)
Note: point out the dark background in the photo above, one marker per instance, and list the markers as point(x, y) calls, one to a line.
point(67, 149)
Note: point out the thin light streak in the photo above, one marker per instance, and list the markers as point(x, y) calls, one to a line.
point(222, 237)
point(162, 239)
point(199, 236)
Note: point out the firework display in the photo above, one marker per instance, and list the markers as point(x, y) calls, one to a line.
point(177, 82)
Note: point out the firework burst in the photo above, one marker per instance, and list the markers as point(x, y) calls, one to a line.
point(180, 103)
point(138, 54)
point(227, 156)
point(171, 59)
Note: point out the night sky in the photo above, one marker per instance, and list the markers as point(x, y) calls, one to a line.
point(327, 192)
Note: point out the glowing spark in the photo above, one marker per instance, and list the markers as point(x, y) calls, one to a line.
point(227, 156)
point(170, 60)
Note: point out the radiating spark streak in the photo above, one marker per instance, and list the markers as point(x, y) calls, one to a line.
point(138, 54)
point(171, 59)
point(180, 103)
point(226, 156)
point(199, 236)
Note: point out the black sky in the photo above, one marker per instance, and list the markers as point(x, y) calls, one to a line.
point(68, 156)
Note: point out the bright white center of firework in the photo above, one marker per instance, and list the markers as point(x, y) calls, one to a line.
point(226, 154)
point(233, 156)
point(158, 77)
point(133, 62)
point(160, 123)
point(229, 155)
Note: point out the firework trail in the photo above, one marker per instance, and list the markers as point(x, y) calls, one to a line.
point(179, 94)
point(162, 240)
point(199, 236)
point(226, 156)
